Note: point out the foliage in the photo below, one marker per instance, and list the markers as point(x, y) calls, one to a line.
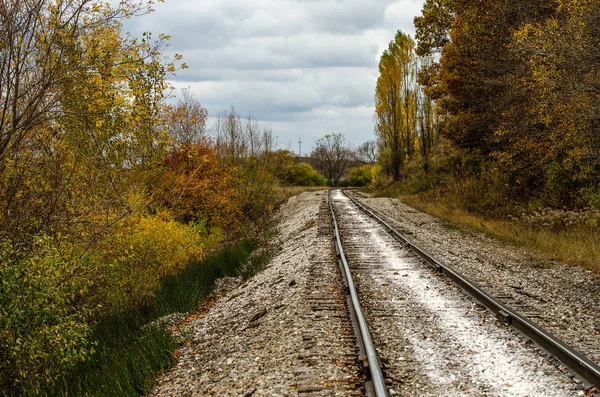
point(405, 121)
point(105, 192)
point(379, 178)
point(128, 353)
point(78, 129)
point(517, 84)
point(127, 358)
point(361, 176)
point(286, 168)
point(44, 324)
point(302, 174)
point(248, 149)
point(395, 103)
point(147, 250)
point(199, 186)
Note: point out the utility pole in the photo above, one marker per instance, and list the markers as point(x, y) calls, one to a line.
point(299, 146)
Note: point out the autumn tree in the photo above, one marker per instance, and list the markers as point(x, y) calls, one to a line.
point(396, 103)
point(80, 116)
point(331, 155)
point(433, 28)
point(247, 145)
point(428, 129)
point(80, 104)
point(559, 153)
point(476, 69)
point(199, 186)
point(186, 122)
point(516, 85)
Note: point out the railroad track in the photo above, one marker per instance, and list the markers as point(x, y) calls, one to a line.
point(426, 335)
point(330, 338)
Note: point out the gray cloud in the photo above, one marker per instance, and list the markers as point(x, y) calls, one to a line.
point(303, 66)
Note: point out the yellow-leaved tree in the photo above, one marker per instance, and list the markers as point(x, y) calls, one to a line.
point(79, 134)
point(396, 104)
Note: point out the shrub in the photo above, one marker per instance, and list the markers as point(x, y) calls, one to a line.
point(361, 176)
point(146, 251)
point(198, 185)
point(129, 352)
point(379, 177)
point(44, 325)
point(302, 174)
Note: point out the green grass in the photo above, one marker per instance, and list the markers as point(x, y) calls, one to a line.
point(128, 355)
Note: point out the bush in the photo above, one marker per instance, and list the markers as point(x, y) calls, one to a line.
point(44, 325)
point(146, 251)
point(361, 176)
point(198, 185)
point(302, 174)
point(50, 301)
point(130, 353)
point(379, 177)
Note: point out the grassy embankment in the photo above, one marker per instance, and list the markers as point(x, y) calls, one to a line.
point(466, 201)
point(129, 354)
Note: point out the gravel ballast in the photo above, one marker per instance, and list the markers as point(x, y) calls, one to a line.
point(263, 337)
point(563, 299)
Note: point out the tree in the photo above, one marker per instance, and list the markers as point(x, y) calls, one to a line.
point(80, 103)
point(553, 135)
point(198, 186)
point(428, 118)
point(331, 155)
point(433, 28)
point(80, 130)
point(186, 122)
point(367, 152)
point(396, 103)
point(477, 68)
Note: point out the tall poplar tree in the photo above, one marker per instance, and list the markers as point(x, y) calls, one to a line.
point(396, 103)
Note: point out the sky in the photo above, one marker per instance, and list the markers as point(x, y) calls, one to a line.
point(305, 68)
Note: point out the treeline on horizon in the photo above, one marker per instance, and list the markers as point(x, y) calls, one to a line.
point(515, 92)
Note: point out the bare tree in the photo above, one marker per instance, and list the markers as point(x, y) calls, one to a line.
point(238, 138)
point(229, 135)
point(331, 155)
point(367, 152)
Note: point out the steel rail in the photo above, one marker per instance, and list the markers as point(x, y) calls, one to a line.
point(587, 370)
point(372, 358)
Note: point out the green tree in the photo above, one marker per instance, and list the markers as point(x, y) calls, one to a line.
point(361, 176)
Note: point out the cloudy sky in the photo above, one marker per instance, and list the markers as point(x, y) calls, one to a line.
point(302, 67)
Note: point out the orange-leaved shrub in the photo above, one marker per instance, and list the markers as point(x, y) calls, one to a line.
point(199, 186)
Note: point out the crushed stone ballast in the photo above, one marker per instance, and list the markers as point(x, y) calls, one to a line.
point(577, 362)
